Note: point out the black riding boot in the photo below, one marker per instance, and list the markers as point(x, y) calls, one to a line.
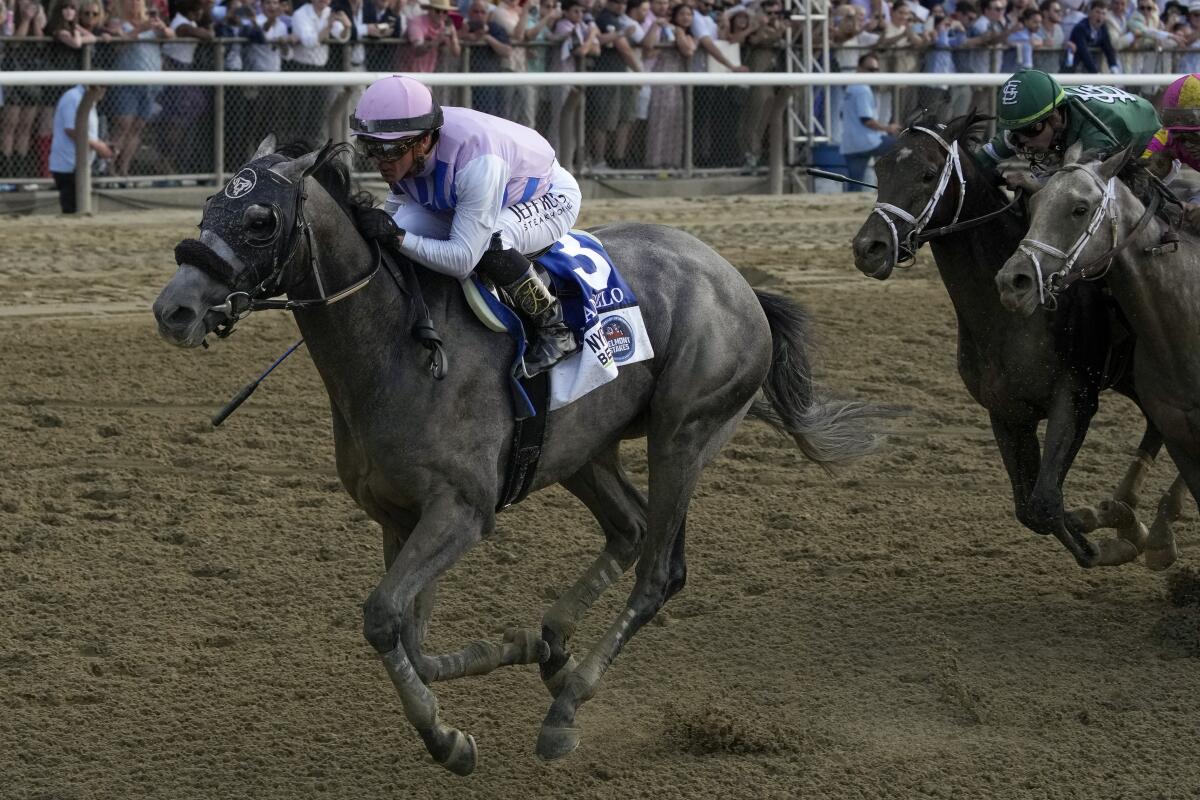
point(551, 340)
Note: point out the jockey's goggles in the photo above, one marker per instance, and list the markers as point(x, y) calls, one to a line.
point(1030, 131)
point(385, 149)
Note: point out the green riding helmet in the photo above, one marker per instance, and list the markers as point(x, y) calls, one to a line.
point(1028, 96)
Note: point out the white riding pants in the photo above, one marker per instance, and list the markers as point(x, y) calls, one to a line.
point(529, 227)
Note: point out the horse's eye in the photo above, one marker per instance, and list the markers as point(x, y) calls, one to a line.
point(1079, 210)
point(929, 175)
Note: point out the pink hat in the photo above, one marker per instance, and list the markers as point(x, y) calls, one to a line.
point(1181, 104)
point(395, 107)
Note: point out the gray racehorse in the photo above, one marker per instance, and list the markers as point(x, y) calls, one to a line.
point(426, 458)
point(1088, 224)
point(1051, 366)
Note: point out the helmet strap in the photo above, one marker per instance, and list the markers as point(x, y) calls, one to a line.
point(421, 153)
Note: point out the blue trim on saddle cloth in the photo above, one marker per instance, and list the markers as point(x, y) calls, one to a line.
point(587, 284)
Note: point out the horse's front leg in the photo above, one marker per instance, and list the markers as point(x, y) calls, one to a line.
point(1066, 426)
point(1120, 511)
point(1160, 549)
point(519, 645)
point(1018, 443)
point(447, 528)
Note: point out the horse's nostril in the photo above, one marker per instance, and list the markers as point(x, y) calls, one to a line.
point(180, 317)
point(875, 248)
point(1022, 282)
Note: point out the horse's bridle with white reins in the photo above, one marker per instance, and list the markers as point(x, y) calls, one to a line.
point(919, 235)
point(912, 240)
point(1050, 285)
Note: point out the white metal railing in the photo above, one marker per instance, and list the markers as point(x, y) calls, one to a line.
point(337, 120)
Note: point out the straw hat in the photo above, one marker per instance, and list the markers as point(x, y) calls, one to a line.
point(440, 5)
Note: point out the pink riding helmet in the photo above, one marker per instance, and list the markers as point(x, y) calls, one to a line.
point(395, 107)
point(1181, 104)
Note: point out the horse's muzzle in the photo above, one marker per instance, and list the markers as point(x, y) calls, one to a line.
point(872, 256)
point(1018, 287)
point(183, 310)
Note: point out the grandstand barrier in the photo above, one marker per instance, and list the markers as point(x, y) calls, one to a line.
point(346, 84)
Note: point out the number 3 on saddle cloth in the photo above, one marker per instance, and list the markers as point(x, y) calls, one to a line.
point(599, 307)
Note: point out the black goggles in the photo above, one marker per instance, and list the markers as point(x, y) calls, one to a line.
point(384, 149)
point(1030, 131)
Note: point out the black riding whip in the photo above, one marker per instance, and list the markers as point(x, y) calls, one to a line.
point(833, 176)
point(249, 388)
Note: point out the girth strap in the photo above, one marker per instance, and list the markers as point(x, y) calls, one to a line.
point(528, 437)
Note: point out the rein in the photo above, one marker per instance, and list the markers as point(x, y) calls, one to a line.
point(1050, 285)
point(912, 241)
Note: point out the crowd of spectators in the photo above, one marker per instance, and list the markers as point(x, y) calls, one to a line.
point(168, 131)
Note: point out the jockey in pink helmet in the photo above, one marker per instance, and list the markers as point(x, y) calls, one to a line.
point(469, 191)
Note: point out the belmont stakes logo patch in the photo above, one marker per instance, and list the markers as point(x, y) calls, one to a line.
point(620, 338)
point(241, 184)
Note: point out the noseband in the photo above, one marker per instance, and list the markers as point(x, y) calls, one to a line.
point(1050, 285)
point(912, 241)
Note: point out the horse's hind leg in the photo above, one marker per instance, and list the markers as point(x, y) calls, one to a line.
point(1161, 551)
point(446, 530)
point(620, 509)
point(678, 451)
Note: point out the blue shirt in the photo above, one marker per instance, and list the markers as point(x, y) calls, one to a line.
point(62, 147)
point(859, 104)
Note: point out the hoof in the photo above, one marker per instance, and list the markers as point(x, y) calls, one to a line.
point(1160, 559)
point(1083, 520)
point(533, 649)
point(1136, 534)
point(461, 760)
point(555, 743)
point(1114, 552)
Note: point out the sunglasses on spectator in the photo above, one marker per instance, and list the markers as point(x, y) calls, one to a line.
point(1030, 131)
point(384, 149)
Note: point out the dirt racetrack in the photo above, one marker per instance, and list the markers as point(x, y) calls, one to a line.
point(182, 605)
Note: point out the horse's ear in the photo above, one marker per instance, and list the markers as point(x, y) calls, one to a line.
point(1074, 154)
point(1113, 164)
point(969, 129)
point(324, 154)
point(265, 148)
point(298, 168)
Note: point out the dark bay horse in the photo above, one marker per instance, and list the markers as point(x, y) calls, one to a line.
point(1086, 224)
point(1048, 366)
point(426, 458)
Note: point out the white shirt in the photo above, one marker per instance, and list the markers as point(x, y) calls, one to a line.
point(703, 27)
point(182, 52)
point(480, 189)
point(62, 146)
point(266, 57)
point(306, 25)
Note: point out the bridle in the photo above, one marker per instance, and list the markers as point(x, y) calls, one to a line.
point(917, 236)
point(912, 241)
point(1051, 285)
point(248, 292)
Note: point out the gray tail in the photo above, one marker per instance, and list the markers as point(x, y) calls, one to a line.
point(828, 431)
